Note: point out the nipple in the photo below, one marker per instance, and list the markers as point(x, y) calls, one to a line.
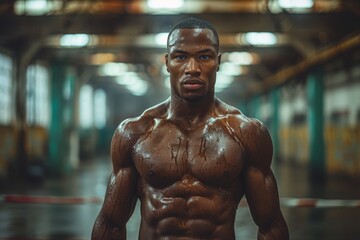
point(226, 173)
point(150, 173)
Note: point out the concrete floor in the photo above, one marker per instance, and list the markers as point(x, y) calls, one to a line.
point(46, 221)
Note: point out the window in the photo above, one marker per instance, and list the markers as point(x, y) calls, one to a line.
point(37, 95)
point(86, 107)
point(6, 68)
point(100, 108)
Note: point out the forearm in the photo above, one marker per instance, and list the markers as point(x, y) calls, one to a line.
point(278, 230)
point(105, 230)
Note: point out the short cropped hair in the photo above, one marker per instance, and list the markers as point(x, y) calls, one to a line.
point(193, 23)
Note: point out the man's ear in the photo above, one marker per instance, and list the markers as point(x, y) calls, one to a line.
point(167, 61)
point(219, 61)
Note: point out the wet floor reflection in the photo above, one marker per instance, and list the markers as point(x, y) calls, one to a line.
point(74, 221)
point(45, 221)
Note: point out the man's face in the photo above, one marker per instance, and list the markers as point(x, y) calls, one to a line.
point(192, 62)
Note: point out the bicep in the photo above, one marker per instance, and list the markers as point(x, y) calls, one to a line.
point(261, 188)
point(262, 195)
point(121, 191)
point(120, 196)
point(260, 185)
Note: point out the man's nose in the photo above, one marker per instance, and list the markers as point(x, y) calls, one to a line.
point(192, 67)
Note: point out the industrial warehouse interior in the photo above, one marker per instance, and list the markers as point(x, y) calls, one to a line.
point(72, 70)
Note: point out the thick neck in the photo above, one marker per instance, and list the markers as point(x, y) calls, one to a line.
point(191, 112)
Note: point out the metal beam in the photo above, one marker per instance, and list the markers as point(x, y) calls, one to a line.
point(146, 23)
point(306, 65)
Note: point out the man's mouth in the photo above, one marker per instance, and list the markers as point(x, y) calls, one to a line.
point(193, 84)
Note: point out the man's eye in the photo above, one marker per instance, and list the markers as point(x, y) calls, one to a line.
point(180, 57)
point(204, 57)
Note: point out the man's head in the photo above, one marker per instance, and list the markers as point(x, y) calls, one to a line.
point(193, 23)
point(193, 59)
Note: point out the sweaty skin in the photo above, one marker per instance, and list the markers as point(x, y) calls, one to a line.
point(190, 159)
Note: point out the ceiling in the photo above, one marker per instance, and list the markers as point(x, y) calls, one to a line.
point(123, 29)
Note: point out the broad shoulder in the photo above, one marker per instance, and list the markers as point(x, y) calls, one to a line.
point(134, 127)
point(129, 131)
point(237, 119)
point(224, 109)
point(252, 133)
point(257, 142)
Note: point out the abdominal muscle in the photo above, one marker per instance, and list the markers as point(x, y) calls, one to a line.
point(187, 210)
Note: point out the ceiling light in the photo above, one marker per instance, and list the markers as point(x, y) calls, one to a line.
point(260, 38)
point(31, 7)
point(230, 69)
point(165, 4)
point(36, 7)
point(133, 83)
point(161, 39)
point(113, 69)
point(241, 58)
point(296, 3)
point(138, 88)
point(74, 40)
point(223, 81)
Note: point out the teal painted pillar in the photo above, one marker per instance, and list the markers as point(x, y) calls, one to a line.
point(255, 107)
point(315, 94)
point(61, 124)
point(274, 128)
point(243, 107)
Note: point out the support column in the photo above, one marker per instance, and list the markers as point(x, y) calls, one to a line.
point(62, 121)
point(255, 107)
point(21, 161)
point(274, 130)
point(244, 108)
point(315, 91)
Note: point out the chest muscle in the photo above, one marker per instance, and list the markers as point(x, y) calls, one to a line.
point(166, 154)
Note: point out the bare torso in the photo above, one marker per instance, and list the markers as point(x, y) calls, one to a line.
point(190, 159)
point(189, 179)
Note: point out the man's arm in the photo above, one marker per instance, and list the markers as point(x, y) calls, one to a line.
point(120, 198)
point(260, 185)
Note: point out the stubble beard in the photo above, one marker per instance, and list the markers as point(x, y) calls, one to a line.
point(193, 98)
point(186, 95)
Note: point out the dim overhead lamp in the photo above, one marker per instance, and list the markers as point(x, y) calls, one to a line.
point(161, 39)
point(241, 58)
point(74, 40)
point(293, 4)
point(223, 81)
point(133, 83)
point(113, 69)
point(260, 38)
point(165, 4)
point(35, 7)
point(231, 69)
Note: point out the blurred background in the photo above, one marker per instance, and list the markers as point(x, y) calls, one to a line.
point(71, 71)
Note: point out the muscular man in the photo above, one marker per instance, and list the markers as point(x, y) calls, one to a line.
point(190, 159)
